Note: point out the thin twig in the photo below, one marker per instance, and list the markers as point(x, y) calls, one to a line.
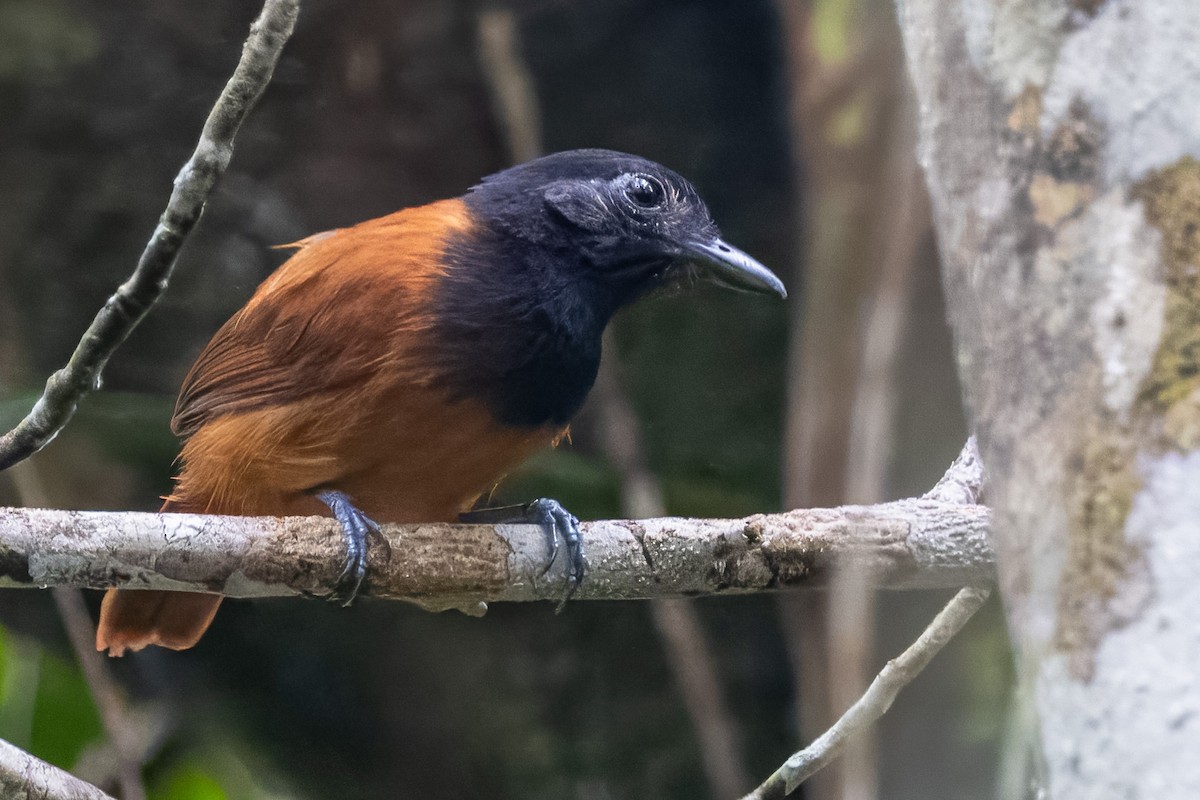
point(852, 601)
point(849, 658)
point(686, 645)
point(510, 83)
point(23, 776)
point(962, 483)
point(823, 354)
point(125, 736)
point(679, 626)
point(896, 674)
point(134, 298)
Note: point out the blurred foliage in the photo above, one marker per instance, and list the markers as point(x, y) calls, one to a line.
point(46, 706)
point(833, 29)
point(187, 782)
point(64, 716)
point(41, 39)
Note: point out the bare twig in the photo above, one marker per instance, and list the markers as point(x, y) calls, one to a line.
point(621, 437)
point(898, 673)
point(850, 628)
point(903, 219)
point(510, 83)
point(127, 747)
point(679, 626)
point(962, 483)
point(23, 776)
point(133, 299)
point(835, 262)
point(686, 645)
point(905, 544)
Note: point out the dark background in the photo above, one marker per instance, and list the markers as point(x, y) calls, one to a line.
point(380, 105)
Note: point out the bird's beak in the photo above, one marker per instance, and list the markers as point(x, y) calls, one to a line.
point(728, 266)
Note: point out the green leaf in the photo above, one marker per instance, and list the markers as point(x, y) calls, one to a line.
point(20, 670)
point(187, 782)
point(65, 720)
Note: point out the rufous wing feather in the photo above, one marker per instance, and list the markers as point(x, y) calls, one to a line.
point(348, 305)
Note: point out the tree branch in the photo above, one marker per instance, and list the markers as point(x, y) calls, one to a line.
point(936, 541)
point(22, 775)
point(133, 299)
point(878, 698)
point(916, 543)
point(962, 483)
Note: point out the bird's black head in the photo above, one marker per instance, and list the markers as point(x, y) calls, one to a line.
point(556, 246)
point(623, 222)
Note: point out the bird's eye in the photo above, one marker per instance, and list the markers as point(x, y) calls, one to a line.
point(645, 191)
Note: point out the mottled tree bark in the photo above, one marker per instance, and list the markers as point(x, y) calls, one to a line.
point(1060, 142)
point(917, 543)
point(23, 777)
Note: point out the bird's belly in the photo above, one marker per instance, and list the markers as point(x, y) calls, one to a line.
point(403, 455)
point(434, 467)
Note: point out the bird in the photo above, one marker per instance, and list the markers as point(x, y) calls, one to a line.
point(396, 370)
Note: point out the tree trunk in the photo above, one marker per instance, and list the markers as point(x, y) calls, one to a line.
point(1059, 141)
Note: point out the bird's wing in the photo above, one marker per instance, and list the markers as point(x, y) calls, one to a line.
point(335, 313)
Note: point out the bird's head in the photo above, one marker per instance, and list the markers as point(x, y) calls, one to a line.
point(627, 223)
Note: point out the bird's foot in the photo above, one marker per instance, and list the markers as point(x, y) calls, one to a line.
point(356, 528)
point(557, 522)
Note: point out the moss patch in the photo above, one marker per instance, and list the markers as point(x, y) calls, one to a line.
point(1181, 423)
point(1172, 201)
point(1099, 559)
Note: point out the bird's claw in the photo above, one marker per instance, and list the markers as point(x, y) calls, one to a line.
point(357, 527)
point(558, 523)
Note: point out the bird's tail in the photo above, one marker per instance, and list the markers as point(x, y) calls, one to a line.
point(132, 619)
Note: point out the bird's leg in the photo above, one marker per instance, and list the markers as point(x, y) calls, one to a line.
point(557, 522)
point(356, 527)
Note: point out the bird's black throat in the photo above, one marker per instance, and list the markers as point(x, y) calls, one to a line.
point(518, 326)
